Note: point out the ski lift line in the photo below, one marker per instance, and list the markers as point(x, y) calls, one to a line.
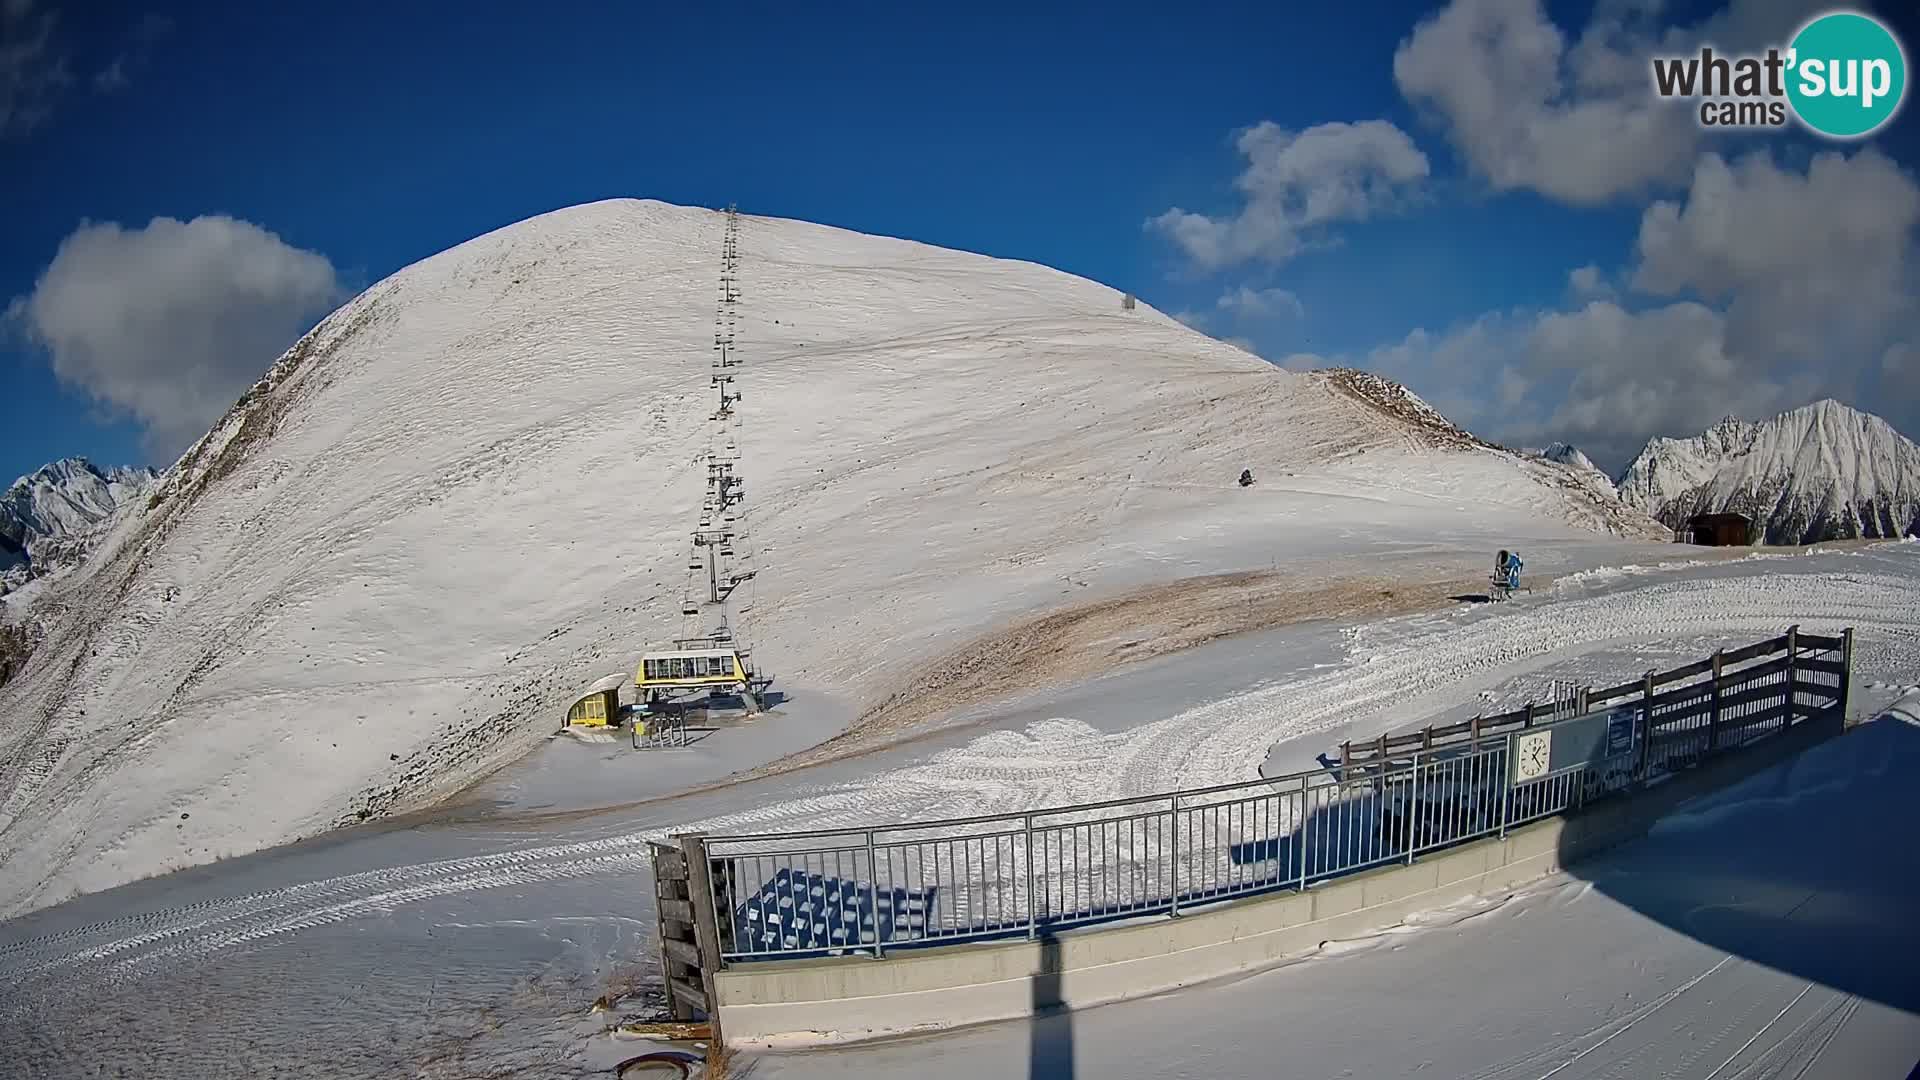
point(726, 548)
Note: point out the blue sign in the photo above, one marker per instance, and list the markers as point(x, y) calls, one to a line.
point(1620, 730)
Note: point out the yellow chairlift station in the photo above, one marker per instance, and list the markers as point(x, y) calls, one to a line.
point(708, 667)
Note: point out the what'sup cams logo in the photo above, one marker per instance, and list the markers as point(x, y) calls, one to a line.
point(1843, 75)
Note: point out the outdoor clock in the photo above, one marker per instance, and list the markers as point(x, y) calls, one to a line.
point(1532, 755)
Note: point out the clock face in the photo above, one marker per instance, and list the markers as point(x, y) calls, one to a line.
point(1532, 754)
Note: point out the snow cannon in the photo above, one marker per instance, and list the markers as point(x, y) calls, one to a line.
point(1505, 579)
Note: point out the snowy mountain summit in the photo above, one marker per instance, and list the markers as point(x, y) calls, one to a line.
point(1570, 456)
point(468, 493)
point(47, 516)
point(1820, 472)
point(1575, 472)
point(1581, 466)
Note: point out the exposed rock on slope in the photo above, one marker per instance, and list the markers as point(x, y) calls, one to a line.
point(1587, 498)
point(1394, 400)
point(1820, 472)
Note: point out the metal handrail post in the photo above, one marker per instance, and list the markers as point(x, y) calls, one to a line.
point(1413, 805)
point(873, 891)
point(1300, 819)
point(1506, 785)
point(1033, 905)
point(1173, 818)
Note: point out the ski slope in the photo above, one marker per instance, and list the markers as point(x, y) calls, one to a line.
point(1395, 673)
point(467, 949)
point(465, 495)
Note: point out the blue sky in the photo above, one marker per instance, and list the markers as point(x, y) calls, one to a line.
point(373, 135)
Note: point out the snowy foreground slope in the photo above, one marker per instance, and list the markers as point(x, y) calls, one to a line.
point(466, 494)
point(473, 946)
point(1820, 472)
point(1752, 935)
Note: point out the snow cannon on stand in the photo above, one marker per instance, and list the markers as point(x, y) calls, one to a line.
point(1505, 579)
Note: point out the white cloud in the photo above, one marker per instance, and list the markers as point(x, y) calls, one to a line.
point(36, 62)
point(1773, 287)
point(1297, 183)
point(133, 56)
point(1809, 263)
point(1599, 376)
point(1899, 380)
point(1577, 123)
point(33, 67)
point(1902, 359)
point(1633, 374)
point(1458, 371)
point(1607, 378)
point(112, 77)
point(1589, 282)
point(1254, 303)
point(171, 322)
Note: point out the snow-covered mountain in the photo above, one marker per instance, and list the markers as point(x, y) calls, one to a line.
point(47, 516)
point(1582, 468)
point(1575, 471)
point(1571, 457)
point(1820, 472)
point(467, 493)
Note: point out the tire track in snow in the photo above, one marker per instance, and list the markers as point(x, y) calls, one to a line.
point(1054, 761)
point(39, 764)
point(1228, 740)
point(316, 903)
point(1062, 761)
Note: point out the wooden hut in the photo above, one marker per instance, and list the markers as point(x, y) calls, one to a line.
point(599, 706)
point(1721, 530)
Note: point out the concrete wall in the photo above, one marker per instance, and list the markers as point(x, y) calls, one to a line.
point(807, 1002)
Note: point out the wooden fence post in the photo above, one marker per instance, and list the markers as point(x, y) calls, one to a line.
point(1646, 725)
point(1713, 720)
point(1846, 677)
point(673, 907)
point(1793, 645)
point(706, 923)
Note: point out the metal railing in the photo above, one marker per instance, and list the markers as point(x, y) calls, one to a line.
point(872, 890)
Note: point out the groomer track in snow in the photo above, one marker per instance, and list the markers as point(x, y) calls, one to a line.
point(1392, 675)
